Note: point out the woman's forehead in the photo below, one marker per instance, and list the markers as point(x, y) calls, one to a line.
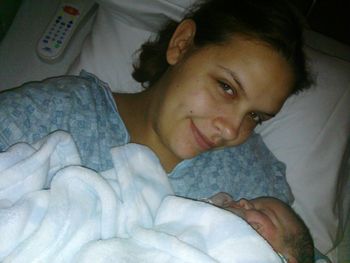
point(261, 70)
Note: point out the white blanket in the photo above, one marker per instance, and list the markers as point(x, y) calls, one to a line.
point(54, 210)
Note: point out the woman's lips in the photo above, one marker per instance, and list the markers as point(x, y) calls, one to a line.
point(201, 140)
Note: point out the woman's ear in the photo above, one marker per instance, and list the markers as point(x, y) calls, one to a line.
point(181, 41)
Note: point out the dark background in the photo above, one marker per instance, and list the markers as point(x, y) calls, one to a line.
point(328, 17)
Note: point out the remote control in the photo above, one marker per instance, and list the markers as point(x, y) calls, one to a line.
point(60, 30)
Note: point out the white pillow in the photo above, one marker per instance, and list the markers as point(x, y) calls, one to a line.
point(107, 51)
point(309, 135)
point(120, 28)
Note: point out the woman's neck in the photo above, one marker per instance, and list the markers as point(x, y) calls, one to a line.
point(136, 111)
point(133, 111)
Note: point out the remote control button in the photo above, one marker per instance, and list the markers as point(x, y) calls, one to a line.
point(71, 10)
point(47, 49)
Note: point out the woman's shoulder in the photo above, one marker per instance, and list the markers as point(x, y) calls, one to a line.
point(60, 90)
point(248, 170)
point(79, 105)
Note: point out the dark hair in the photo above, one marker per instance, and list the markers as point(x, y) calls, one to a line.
point(300, 243)
point(273, 21)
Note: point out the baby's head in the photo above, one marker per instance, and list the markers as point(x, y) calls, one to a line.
point(276, 222)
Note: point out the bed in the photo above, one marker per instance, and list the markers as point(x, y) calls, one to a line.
point(310, 135)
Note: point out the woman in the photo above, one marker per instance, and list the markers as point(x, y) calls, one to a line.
point(228, 66)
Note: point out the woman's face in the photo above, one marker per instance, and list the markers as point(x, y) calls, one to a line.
point(214, 97)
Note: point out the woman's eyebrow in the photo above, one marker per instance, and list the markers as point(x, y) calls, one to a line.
point(234, 77)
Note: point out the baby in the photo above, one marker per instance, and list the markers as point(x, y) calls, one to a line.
point(274, 220)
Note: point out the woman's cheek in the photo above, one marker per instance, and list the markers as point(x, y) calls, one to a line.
point(246, 130)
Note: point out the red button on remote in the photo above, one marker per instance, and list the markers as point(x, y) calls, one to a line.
point(71, 10)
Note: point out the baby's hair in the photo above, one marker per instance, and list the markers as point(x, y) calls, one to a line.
point(300, 242)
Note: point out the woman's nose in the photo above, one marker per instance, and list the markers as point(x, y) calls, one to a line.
point(228, 127)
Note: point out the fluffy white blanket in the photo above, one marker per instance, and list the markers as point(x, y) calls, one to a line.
point(54, 210)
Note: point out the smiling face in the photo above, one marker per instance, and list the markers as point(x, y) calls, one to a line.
point(214, 96)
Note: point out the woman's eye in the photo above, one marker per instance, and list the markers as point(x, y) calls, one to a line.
point(227, 88)
point(255, 117)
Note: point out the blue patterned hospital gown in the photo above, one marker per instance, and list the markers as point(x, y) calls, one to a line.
point(83, 105)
